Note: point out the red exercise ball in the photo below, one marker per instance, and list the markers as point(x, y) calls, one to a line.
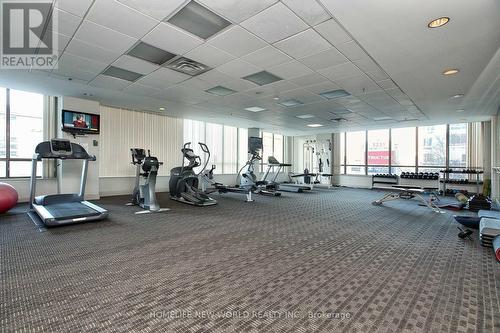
point(8, 197)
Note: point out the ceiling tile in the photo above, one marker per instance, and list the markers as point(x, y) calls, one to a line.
point(163, 78)
point(139, 89)
point(237, 11)
point(209, 55)
point(67, 23)
point(275, 23)
point(108, 82)
point(358, 85)
point(67, 61)
point(159, 9)
point(290, 70)
point(309, 79)
point(342, 71)
point(367, 64)
point(310, 11)
point(303, 44)
point(378, 75)
point(124, 19)
point(238, 68)
point(62, 40)
point(78, 8)
point(90, 51)
point(302, 95)
point(272, 89)
point(237, 41)
point(214, 76)
point(386, 84)
point(103, 37)
point(332, 32)
point(267, 57)
point(135, 65)
point(322, 87)
point(172, 39)
point(328, 58)
point(352, 50)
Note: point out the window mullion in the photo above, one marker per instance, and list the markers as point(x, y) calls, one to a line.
point(7, 133)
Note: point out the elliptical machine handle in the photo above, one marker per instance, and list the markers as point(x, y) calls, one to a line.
point(204, 147)
point(186, 145)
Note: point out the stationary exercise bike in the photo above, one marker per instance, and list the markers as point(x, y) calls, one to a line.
point(144, 195)
point(184, 181)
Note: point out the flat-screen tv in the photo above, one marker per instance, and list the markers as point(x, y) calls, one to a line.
point(254, 144)
point(80, 122)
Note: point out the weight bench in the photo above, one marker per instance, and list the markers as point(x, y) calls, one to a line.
point(406, 193)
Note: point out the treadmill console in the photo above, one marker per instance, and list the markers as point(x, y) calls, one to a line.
point(61, 147)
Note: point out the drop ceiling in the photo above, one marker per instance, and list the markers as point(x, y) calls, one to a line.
point(286, 59)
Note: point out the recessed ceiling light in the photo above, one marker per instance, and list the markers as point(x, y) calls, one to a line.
point(198, 20)
point(150, 53)
point(382, 118)
point(314, 125)
point(439, 22)
point(305, 116)
point(255, 109)
point(161, 109)
point(220, 91)
point(187, 66)
point(290, 102)
point(451, 71)
point(276, 98)
point(262, 78)
point(334, 94)
point(461, 110)
point(457, 96)
point(121, 73)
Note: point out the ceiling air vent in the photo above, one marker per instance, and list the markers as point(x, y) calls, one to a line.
point(187, 66)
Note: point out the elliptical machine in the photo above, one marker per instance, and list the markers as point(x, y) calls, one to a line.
point(184, 181)
point(145, 195)
point(248, 179)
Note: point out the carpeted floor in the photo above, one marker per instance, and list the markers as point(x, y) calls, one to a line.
point(326, 261)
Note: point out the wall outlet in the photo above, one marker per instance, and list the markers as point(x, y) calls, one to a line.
point(95, 143)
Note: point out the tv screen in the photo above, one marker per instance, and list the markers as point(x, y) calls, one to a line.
point(82, 122)
point(254, 144)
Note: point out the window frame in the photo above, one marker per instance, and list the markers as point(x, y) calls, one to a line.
point(343, 159)
point(7, 159)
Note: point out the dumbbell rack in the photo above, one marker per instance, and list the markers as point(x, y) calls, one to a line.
point(384, 179)
point(446, 178)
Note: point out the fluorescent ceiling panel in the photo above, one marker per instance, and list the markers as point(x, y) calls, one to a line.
point(255, 109)
point(150, 53)
point(290, 102)
point(198, 20)
point(220, 91)
point(341, 111)
point(334, 94)
point(187, 66)
point(305, 116)
point(262, 78)
point(121, 73)
point(314, 125)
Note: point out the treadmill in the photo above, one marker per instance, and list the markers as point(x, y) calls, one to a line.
point(62, 209)
point(272, 162)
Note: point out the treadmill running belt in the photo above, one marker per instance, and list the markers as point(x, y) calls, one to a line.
point(70, 210)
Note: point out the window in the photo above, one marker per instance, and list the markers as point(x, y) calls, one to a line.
point(356, 152)
point(342, 153)
point(458, 145)
point(267, 146)
point(21, 117)
point(230, 149)
point(432, 146)
point(422, 149)
point(378, 151)
point(214, 141)
point(242, 147)
point(403, 149)
point(194, 132)
point(278, 147)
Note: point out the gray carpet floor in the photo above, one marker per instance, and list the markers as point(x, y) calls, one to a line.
point(326, 261)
